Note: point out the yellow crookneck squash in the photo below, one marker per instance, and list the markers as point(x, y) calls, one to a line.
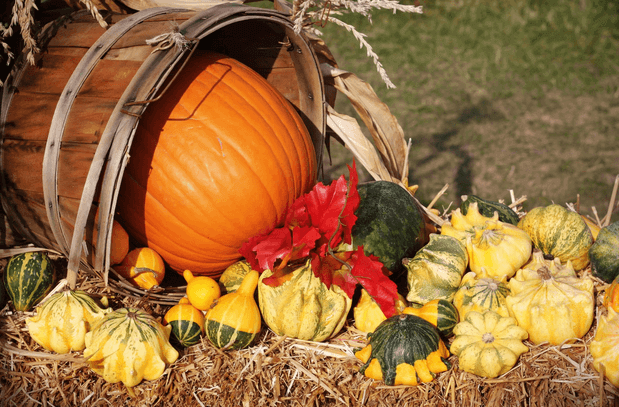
point(62, 321)
point(129, 345)
point(501, 248)
point(303, 307)
point(488, 344)
point(550, 301)
point(605, 346)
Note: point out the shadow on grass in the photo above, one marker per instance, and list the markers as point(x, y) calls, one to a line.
point(448, 142)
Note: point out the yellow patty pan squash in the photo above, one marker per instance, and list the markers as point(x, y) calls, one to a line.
point(480, 292)
point(488, 344)
point(367, 312)
point(436, 269)
point(605, 346)
point(61, 322)
point(129, 345)
point(559, 232)
point(303, 307)
point(550, 301)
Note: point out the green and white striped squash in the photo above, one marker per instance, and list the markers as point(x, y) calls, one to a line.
point(436, 270)
point(234, 320)
point(187, 323)
point(559, 232)
point(440, 313)
point(480, 293)
point(62, 321)
point(28, 278)
point(404, 349)
point(129, 345)
point(604, 253)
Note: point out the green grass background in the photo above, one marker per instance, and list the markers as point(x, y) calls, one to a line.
point(496, 95)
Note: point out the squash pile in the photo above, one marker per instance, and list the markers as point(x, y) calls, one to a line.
point(481, 289)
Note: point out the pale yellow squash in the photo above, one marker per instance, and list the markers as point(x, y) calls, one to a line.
point(367, 312)
point(605, 346)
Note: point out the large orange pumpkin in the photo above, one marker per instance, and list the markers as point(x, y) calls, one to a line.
point(214, 162)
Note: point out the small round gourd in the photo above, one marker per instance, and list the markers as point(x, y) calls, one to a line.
point(404, 349)
point(62, 321)
point(234, 320)
point(440, 313)
point(559, 232)
point(488, 344)
point(201, 291)
point(604, 253)
point(143, 267)
point(187, 323)
point(28, 277)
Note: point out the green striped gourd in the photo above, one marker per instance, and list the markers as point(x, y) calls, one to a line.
point(604, 253)
point(404, 349)
point(440, 313)
point(436, 270)
point(559, 232)
point(233, 275)
point(129, 345)
point(28, 278)
point(234, 321)
point(62, 321)
point(488, 208)
point(187, 323)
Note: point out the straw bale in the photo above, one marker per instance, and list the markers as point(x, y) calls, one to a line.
point(280, 371)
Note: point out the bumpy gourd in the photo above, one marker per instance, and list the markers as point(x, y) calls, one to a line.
point(187, 323)
point(559, 232)
point(303, 307)
point(605, 346)
point(234, 320)
point(604, 253)
point(143, 267)
point(233, 276)
point(28, 277)
point(480, 292)
point(367, 312)
point(129, 345)
point(488, 344)
point(436, 270)
point(404, 349)
point(440, 313)
point(62, 321)
point(500, 248)
point(550, 301)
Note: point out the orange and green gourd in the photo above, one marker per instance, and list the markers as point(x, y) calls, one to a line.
point(367, 312)
point(404, 350)
point(187, 323)
point(234, 320)
point(142, 267)
point(440, 313)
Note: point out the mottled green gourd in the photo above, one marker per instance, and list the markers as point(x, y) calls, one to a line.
point(481, 292)
point(233, 276)
point(559, 232)
point(604, 253)
point(436, 270)
point(234, 320)
point(404, 349)
point(28, 278)
point(488, 208)
point(389, 224)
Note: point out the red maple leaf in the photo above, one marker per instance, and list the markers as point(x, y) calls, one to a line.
point(315, 225)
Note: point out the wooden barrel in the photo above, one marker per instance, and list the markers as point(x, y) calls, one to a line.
point(67, 123)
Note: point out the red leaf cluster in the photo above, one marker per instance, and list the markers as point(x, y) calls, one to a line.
point(316, 227)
